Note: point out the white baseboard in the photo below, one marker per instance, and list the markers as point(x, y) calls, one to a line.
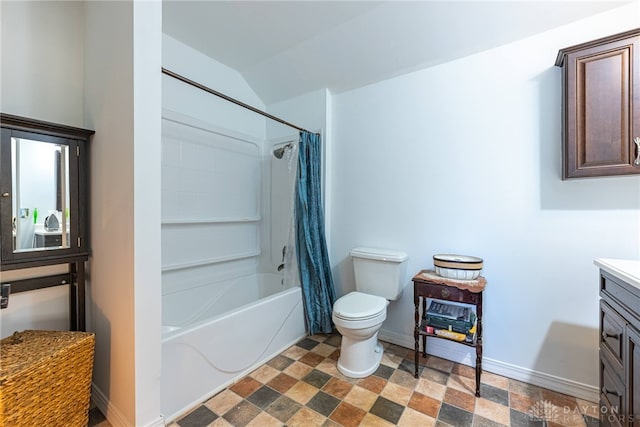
point(113, 414)
point(466, 355)
point(577, 389)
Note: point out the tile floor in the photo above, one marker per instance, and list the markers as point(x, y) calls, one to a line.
point(302, 387)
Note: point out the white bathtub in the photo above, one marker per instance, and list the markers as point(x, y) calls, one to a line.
point(213, 340)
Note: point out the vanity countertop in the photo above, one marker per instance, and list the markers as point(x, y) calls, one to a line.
point(624, 269)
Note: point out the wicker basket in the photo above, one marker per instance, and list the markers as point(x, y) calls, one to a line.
point(45, 378)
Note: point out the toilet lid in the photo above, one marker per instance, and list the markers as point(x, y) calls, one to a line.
point(357, 305)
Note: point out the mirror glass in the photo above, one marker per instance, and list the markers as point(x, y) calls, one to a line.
point(40, 195)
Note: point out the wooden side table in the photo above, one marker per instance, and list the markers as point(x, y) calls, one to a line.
point(427, 284)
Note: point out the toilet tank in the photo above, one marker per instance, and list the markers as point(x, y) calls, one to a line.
point(379, 271)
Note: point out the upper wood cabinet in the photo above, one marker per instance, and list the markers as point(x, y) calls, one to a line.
point(43, 193)
point(600, 88)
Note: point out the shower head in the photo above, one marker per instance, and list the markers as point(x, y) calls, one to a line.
point(279, 152)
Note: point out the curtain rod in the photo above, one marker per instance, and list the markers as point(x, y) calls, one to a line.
point(230, 99)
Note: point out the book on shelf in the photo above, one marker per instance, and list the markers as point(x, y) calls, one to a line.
point(468, 337)
point(447, 310)
point(451, 317)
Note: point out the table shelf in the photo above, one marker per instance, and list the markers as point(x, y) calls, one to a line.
point(428, 285)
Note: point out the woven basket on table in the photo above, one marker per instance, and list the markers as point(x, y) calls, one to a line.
point(45, 378)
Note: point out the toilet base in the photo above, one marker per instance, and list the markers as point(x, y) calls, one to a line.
point(375, 358)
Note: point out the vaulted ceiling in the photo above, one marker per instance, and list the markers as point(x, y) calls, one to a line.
point(287, 48)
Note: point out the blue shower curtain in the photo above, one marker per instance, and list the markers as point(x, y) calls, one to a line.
point(313, 260)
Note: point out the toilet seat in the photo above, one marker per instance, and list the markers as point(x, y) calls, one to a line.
point(359, 306)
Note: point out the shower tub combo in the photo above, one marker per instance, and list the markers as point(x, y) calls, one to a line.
point(204, 356)
point(226, 306)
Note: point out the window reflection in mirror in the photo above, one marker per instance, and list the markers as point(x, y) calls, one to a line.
point(40, 195)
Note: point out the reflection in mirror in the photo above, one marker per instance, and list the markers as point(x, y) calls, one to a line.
point(40, 195)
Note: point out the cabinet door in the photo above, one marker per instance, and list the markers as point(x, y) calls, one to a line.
point(42, 193)
point(602, 85)
point(612, 327)
point(633, 376)
point(612, 392)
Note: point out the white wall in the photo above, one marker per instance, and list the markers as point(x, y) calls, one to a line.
point(122, 104)
point(109, 110)
point(42, 60)
point(147, 83)
point(465, 158)
point(41, 76)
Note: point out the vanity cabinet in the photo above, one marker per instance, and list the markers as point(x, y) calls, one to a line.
point(43, 204)
point(601, 106)
point(619, 346)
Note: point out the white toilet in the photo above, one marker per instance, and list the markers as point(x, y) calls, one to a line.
point(358, 315)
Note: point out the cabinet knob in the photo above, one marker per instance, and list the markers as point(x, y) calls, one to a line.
point(637, 141)
point(445, 293)
point(606, 391)
point(5, 195)
point(606, 335)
